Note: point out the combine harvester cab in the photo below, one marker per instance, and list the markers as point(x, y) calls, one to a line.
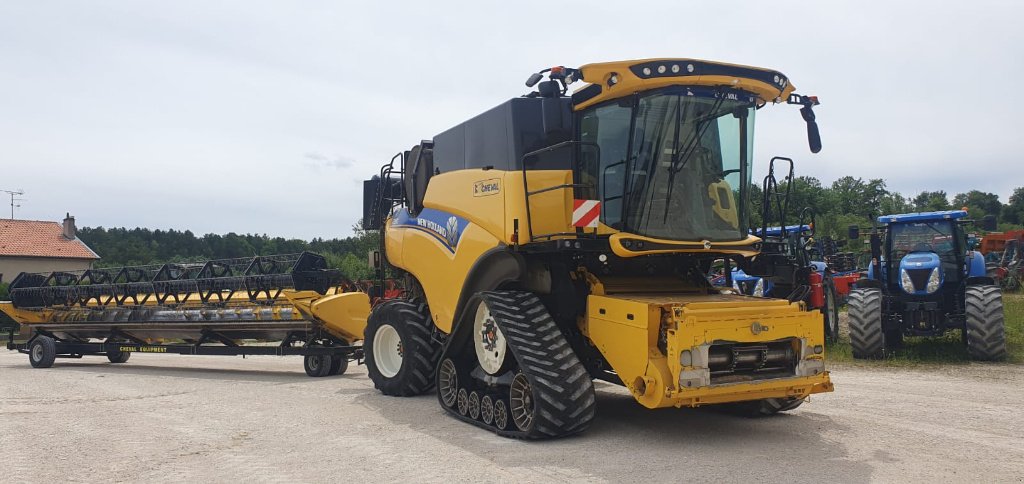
point(267, 305)
point(925, 279)
point(557, 239)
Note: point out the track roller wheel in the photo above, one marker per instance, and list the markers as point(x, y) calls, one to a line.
point(463, 402)
point(400, 354)
point(448, 383)
point(487, 409)
point(42, 352)
point(500, 415)
point(474, 405)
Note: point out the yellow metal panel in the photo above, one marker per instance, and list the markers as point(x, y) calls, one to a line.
point(743, 247)
point(630, 83)
point(343, 314)
point(625, 328)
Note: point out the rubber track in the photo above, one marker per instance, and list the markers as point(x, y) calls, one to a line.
point(865, 312)
point(986, 334)
point(563, 392)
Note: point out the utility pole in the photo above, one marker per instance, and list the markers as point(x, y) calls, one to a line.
point(14, 194)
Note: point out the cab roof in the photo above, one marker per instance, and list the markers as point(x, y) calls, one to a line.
point(923, 216)
point(611, 80)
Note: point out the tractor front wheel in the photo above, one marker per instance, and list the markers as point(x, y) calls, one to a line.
point(984, 329)
point(867, 337)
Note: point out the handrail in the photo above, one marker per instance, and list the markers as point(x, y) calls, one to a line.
point(526, 188)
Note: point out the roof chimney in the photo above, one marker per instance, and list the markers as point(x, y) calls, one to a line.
point(69, 227)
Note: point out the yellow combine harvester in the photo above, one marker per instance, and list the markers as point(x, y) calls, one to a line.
point(556, 239)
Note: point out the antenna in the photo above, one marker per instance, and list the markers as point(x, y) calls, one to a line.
point(14, 194)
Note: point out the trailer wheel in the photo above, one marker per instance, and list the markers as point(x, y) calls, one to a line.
point(118, 356)
point(985, 331)
point(830, 311)
point(401, 356)
point(42, 352)
point(318, 365)
point(339, 365)
point(866, 335)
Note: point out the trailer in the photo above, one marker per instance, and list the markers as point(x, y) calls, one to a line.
point(268, 305)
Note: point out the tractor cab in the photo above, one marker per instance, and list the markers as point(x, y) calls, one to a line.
point(925, 254)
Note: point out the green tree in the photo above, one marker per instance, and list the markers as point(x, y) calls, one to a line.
point(978, 203)
point(931, 201)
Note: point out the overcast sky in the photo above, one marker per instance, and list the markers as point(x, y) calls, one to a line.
point(263, 117)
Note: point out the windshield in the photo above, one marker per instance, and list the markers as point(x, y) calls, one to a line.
point(673, 164)
point(934, 237)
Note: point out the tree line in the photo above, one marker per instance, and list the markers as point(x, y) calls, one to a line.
point(855, 201)
point(140, 246)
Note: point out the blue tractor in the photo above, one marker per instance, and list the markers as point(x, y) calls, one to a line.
point(925, 279)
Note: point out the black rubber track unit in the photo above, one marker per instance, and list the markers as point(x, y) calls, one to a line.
point(986, 334)
point(563, 392)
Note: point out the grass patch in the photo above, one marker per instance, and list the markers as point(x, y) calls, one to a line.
point(947, 349)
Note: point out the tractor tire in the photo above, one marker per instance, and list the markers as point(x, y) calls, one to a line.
point(984, 330)
point(764, 407)
point(318, 366)
point(867, 338)
point(830, 311)
point(42, 352)
point(118, 356)
point(401, 357)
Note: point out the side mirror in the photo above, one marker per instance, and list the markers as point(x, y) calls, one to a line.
point(813, 136)
point(534, 79)
point(972, 241)
point(988, 223)
point(853, 232)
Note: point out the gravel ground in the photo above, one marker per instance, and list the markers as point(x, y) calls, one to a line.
point(260, 419)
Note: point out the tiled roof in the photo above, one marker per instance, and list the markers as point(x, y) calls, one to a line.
point(33, 238)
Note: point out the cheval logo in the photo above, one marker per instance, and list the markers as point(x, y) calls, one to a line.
point(449, 233)
point(484, 188)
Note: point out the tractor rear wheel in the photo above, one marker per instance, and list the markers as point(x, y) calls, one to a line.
point(830, 311)
point(867, 337)
point(984, 329)
point(400, 355)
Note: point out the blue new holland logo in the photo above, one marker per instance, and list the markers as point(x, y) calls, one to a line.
point(443, 226)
